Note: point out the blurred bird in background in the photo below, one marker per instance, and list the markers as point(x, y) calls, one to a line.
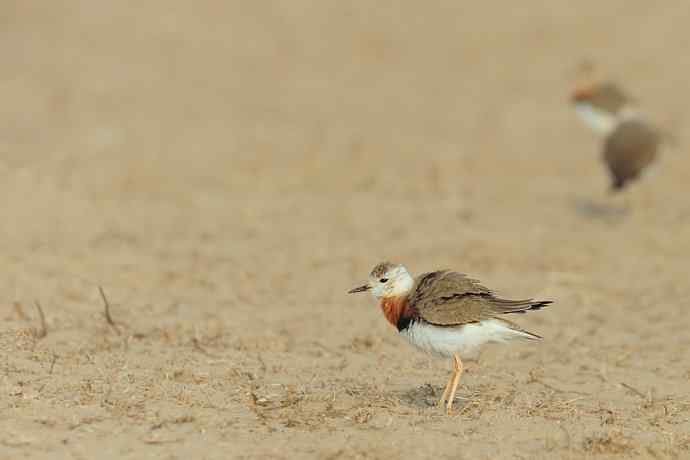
point(631, 142)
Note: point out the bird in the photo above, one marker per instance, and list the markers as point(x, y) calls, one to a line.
point(446, 314)
point(631, 142)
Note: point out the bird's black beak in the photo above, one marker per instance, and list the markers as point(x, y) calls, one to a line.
point(359, 289)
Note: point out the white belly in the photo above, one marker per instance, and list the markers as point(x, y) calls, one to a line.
point(465, 340)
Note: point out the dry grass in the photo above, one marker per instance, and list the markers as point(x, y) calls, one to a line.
point(189, 190)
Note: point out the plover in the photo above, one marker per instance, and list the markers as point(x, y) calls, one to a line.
point(446, 314)
point(631, 141)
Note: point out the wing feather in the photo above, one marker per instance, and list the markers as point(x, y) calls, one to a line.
point(450, 298)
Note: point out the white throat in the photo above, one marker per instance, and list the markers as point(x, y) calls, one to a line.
point(601, 121)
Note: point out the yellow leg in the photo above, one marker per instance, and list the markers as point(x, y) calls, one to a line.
point(444, 398)
point(455, 381)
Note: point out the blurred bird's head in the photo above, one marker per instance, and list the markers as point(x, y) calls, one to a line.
point(600, 104)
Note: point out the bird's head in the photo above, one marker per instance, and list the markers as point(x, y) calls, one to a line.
point(387, 280)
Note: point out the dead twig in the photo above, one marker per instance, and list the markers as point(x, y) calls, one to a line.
point(43, 331)
point(570, 401)
point(196, 343)
point(648, 398)
point(634, 390)
point(177, 421)
point(108, 318)
point(534, 379)
point(52, 364)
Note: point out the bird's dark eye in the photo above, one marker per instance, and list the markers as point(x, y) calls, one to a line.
point(384, 280)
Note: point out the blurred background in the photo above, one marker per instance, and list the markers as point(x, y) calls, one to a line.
point(228, 170)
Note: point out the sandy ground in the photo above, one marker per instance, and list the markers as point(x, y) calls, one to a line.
point(226, 171)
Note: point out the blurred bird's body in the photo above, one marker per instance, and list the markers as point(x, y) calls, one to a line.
point(446, 314)
point(631, 141)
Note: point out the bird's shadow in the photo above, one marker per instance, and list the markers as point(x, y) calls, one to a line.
point(611, 213)
point(427, 395)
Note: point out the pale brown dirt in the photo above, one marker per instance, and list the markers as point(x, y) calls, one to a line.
point(228, 170)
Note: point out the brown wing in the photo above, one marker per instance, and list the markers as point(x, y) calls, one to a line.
point(609, 96)
point(451, 298)
point(630, 148)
